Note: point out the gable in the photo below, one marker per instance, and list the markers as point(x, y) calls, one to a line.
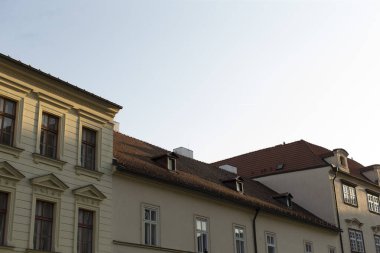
point(89, 191)
point(49, 181)
point(7, 171)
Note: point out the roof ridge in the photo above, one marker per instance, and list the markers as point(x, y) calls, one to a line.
point(254, 151)
point(317, 157)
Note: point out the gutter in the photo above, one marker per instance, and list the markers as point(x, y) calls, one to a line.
point(254, 230)
point(335, 170)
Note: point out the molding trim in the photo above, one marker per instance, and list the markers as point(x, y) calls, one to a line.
point(11, 150)
point(49, 181)
point(376, 229)
point(7, 171)
point(90, 192)
point(354, 222)
point(89, 173)
point(137, 245)
point(37, 158)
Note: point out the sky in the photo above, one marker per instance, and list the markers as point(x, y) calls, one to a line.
point(220, 77)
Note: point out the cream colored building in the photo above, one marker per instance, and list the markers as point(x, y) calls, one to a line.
point(55, 164)
point(196, 204)
point(327, 183)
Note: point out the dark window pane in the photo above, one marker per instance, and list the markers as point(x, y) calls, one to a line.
point(88, 149)
point(10, 107)
point(49, 136)
point(43, 226)
point(85, 231)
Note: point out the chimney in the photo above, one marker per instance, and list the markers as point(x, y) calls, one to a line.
point(116, 126)
point(229, 168)
point(184, 152)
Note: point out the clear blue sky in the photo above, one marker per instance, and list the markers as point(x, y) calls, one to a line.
point(219, 77)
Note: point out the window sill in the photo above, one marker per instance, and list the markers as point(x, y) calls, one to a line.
point(47, 160)
point(10, 150)
point(374, 212)
point(89, 173)
point(349, 204)
point(38, 251)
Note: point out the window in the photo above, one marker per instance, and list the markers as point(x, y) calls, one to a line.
point(239, 237)
point(49, 135)
point(43, 226)
point(239, 186)
point(377, 243)
point(270, 242)
point(356, 240)
point(85, 231)
point(88, 149)
point(332, 249)
point(373, 203)
point(349, 195)
point(201, 230)
point(150, 226)
point(7, 121)
point(308, 247)
point(171, 164)
point(343, 161)
point(3, 215)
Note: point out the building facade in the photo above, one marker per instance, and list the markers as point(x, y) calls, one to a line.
point(325, 182)
point(55, 164)
point(198, 207)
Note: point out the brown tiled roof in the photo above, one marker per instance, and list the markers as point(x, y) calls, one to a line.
point(59, 80)
point(135, 157)
point(292, 156)
point(298, 155)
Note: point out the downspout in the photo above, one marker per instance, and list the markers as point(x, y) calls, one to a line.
point(336, 169)
point(254, 229)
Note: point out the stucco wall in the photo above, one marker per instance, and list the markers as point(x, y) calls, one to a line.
point(309, 188)
point(177, 210)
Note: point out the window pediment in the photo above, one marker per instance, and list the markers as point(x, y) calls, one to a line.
point(376, 229)
point(90, 192)
point(354, 222)
point(7, 171)
point(49, 181)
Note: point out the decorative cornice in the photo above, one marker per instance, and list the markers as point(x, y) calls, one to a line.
point(49, 181)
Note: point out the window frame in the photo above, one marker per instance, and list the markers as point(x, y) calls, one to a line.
point(94, 146)
point(377, 243)
point(206, 232)
point(172, 164)
point(238, 239)
point(331, 249)
point(85, 226)
point(373, 195)
point(12, 117)
point(308, 243)
point(271, 234)
point(47, 131)
point(349, 196)
point(356, 239)
point(5, 212)
point(43, 219)
point(156, 209)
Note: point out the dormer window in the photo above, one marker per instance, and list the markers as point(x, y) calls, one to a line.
point(171, 164)
point(343, 161)
point(285, 198)
point(235, 183)
point(239, 186)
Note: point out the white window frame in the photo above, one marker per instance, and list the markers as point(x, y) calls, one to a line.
point(377, 243)
point(308, 244)
point(373, 203)
point(331, 249)
point(239, 239)
point(355, 242)
point(172, 164)
point(349, 195)
point(150, 222)
point(274, 244)
point(202, 232)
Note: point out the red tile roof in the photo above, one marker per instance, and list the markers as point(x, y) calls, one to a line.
point(136, 157)
point(294, 156)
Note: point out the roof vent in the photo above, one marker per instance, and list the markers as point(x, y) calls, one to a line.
point(280, 166)
point(229, 168)
point(184, 152)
